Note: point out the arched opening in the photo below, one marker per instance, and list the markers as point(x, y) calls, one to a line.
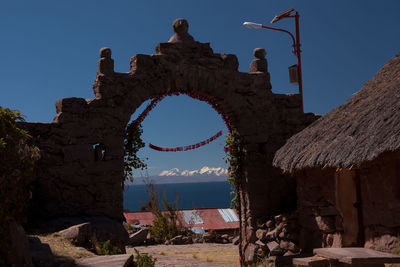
point(196, 178)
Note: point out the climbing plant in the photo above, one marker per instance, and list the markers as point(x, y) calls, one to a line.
point(17, 162)
point(132, 144)
point(234, 158)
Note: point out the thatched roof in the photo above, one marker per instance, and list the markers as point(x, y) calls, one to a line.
point(357, 131)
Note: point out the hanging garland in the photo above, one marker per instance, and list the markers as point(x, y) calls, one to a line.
point(185, 148)
point(135, 124)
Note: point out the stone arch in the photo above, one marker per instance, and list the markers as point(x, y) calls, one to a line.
point(72, 181)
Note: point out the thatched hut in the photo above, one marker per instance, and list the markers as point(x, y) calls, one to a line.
point(347, 166)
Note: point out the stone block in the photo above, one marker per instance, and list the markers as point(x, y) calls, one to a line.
point(138, 237)
point(274, 248)
point(230, 61)
point(18, 250)
point(177, 240)
point(250, 253)
point(78, 234)
point(71, 105)
point(260, 234)
point(326, 223)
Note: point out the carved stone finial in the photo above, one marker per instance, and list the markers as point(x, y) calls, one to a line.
point(106, 63)
point(105, 52)
point(181, 35)
point(259, 53)
point(259, 63)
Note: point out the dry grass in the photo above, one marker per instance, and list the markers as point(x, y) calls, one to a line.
point(62, 248)
point(364, 127)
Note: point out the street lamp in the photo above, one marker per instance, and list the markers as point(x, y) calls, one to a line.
point(296, 45)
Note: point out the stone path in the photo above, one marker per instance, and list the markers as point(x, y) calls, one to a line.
point(194, 255)
point(106, 261)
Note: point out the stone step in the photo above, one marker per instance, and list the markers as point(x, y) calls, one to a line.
point(357, 255)
point(314, 261)
point(121, 260)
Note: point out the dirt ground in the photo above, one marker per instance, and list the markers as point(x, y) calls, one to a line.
point(194, 255)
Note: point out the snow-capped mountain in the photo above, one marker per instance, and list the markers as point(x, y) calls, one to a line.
point(205, 171)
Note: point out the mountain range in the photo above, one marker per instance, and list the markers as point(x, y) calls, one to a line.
point(205, 174)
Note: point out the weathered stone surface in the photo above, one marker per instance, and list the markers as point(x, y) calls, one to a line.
point(288, 245)
point(250, 253)
point(236, 240)
point(270, 224)
point(384, 243)
point(209, 237)
point(261, 245)
point(261, 234)
point(274, 248)
point(177, 240)
point(107, 229)
point(271, 235)
point(41, 253)
point(78, 234)
point(106, 63)
point(325, 223)
point(138, 237)
point(181, 35)
point(107, 261)
point(18, 252)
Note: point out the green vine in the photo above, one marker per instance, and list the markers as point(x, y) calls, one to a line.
point(234, 158)
point(132, 144)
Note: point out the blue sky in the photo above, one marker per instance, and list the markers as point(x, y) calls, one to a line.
point(50, 51)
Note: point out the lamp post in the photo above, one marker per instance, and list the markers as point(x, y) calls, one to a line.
point(296, 42)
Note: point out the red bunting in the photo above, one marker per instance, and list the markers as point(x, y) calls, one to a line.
point(185, 148)
point(157, 99)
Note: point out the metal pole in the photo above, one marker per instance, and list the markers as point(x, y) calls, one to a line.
point(298, 52)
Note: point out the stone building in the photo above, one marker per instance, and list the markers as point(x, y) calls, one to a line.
point(347, 166)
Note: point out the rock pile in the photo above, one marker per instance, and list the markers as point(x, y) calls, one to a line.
point(276, 237)
point(209, 237)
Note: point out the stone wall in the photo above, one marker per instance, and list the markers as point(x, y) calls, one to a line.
point(319, 219)
point(351, 207)
point(380, 185)
point(81, 170)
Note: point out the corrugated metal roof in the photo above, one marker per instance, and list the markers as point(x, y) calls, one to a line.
point(191, 217)
point(212, 218)
point(228, 215)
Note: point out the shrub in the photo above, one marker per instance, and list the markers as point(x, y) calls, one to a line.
point(109, 249)
point(167, 224)
point(143, 260)
point(17, 162)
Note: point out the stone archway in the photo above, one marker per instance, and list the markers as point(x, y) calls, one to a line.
point(74, 181)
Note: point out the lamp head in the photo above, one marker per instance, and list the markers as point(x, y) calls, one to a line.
point(252, 25)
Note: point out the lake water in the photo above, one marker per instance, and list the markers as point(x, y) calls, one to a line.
point(190, 195)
